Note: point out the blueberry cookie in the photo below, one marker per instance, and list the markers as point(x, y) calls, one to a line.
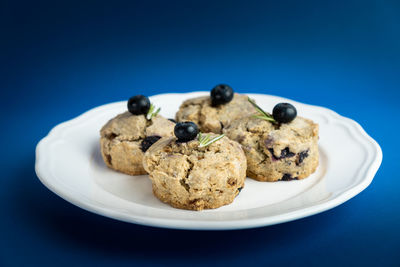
point(188, 175)
point(213, 113)
point(125, 138)
point(276, 152)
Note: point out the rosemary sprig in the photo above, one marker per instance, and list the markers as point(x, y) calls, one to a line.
point(262, 114)
point(151, 112)
point(206, 140)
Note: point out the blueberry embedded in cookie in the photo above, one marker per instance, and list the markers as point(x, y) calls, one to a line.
point(285, 153)
point(125, 138)
point(288, 177)
point(206, 172)
point(282, 147)
point(302, 156)
point(148, 142)
point(213, 113)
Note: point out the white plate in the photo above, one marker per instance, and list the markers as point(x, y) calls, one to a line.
point(69, 163)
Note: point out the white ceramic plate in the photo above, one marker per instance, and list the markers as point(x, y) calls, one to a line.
point(69, 163)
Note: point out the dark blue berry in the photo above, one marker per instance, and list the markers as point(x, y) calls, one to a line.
point(302, 156)
point(138, 105)
point(221, 94)
point(148, 142)
point(288, 177)
point(186, 131)
point(285, 153)
point(284, 112)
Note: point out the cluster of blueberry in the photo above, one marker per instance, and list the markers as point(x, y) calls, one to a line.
point(220, 94)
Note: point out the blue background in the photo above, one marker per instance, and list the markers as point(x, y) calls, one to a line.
point(61, 59)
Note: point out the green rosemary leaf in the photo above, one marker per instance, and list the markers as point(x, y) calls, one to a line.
point(151, 113)
point(259, 109)
point(262, 114)
point(264, 118)
point(206, 140)
point(157, 111)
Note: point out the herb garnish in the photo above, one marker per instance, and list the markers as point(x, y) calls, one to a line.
point(262, 114)
point(151, 113)
point(206, 140)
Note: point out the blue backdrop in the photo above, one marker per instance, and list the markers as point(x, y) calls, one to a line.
point(61, 59)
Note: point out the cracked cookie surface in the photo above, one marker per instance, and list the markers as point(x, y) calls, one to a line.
point(188, 177)
point(213, 119)
point(121, 140)
point(288, 151)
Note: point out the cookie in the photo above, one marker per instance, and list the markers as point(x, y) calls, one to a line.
point(274, 152)
point(187, 176)
point(125, 138)
point(213, 119)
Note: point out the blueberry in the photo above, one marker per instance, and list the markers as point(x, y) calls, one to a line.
point(148, 142)
point(186, 131)
point(284, 112)
point(288, 177)
point(285, 153)
point(138, 104)
point(221, 94)
point(302, 156)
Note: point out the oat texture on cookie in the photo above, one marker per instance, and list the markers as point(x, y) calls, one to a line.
point(287, 151)
point(125, 138)
point(211, 118)
point(188, 176)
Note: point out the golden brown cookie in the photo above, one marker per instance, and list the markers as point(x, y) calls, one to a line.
point(276, 152)
point(213, 119)
point(124, 138)
point(187, 176)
